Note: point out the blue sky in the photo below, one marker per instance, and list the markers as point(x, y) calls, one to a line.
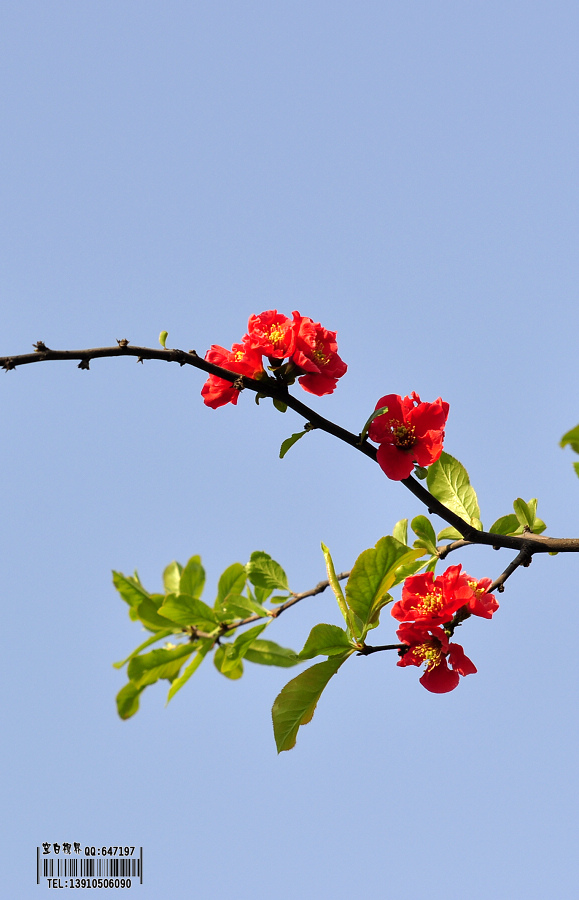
point(404, 173)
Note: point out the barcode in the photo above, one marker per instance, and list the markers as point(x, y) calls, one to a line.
point(91, 868)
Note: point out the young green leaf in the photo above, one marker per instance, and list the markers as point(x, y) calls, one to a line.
point(265, 572)
point(279, 405)
point(232, 581)
point(289, 442)
point(369, 420)
point(164, 663)
point(172, 577)
point(268, 653)
point(155, 637)
point(186, 610)
point(505, 525)
point(130, 589)
point(335, 585)
point(238, 606)
point(148, 613)
point(400, 531)
point(128, 700)
point(192, 578)
point(422, 528)
point(523, 513)
point(373, 574)
point(571, 438)
point(204, 648)
point(448, 481)
point(296, 703)
point(449, 534)
point(326, 640)
point(237, 650)
point(220, 658)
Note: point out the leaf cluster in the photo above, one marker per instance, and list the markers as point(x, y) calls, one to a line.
point(195, 629)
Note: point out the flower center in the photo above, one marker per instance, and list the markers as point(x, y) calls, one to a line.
point(276, 335)
point(431, 603)
point(321, 357)
point(431, 653)
point(403, 435)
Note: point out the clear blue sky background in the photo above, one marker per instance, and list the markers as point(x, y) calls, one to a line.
point(406, 173)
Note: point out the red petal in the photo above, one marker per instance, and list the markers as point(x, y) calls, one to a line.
point(396, 464)
point(440, 679)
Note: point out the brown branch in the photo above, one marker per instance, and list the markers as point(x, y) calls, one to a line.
point(272, 387)
point(274, 613)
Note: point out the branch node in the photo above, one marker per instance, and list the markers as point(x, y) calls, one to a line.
point(84, 364)
point(501, 588)
point(194, 353)
point(40, 347)
point(8, 364)
point(238, 383)
point(123, 343)
point(140, 359)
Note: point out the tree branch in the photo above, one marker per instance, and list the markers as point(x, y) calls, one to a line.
point(271, 387)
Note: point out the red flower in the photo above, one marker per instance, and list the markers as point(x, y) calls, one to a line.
point(432, 601)
point(431, 646)
point(240, 359)
point(272, 334)
point(409, 432)
point(481, 603)
point(316, 354)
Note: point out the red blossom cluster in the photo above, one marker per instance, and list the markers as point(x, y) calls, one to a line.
point(427, 604)
point(297, 348)
point(408, 431)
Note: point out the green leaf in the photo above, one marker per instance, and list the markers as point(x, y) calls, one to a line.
point(576, 467)
point(449, 534)
point(154, 637)
point(373, 574)
point(128, 700)
point(265, 572)
point(400, 531)
point(237, 606)
point(422, 528)
point(163, 338)
point(571, 438)
point(204, 648)
point(220, 658)
point(410, 568)
point(279, 405)
point(296, 703)
point(130, 589)
point(232, 581)
point(448, 481)
point(172, 577)
point(505, 525)
point(370, 419)
point(326, 640)
point(148, 613)
point(268, 653)
point(289, 442)
point(338, 593)
point(192, 578)
point(183, 609)
point(420, 472)
point(164, 663)
point(523, 513)
point(237, 650)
